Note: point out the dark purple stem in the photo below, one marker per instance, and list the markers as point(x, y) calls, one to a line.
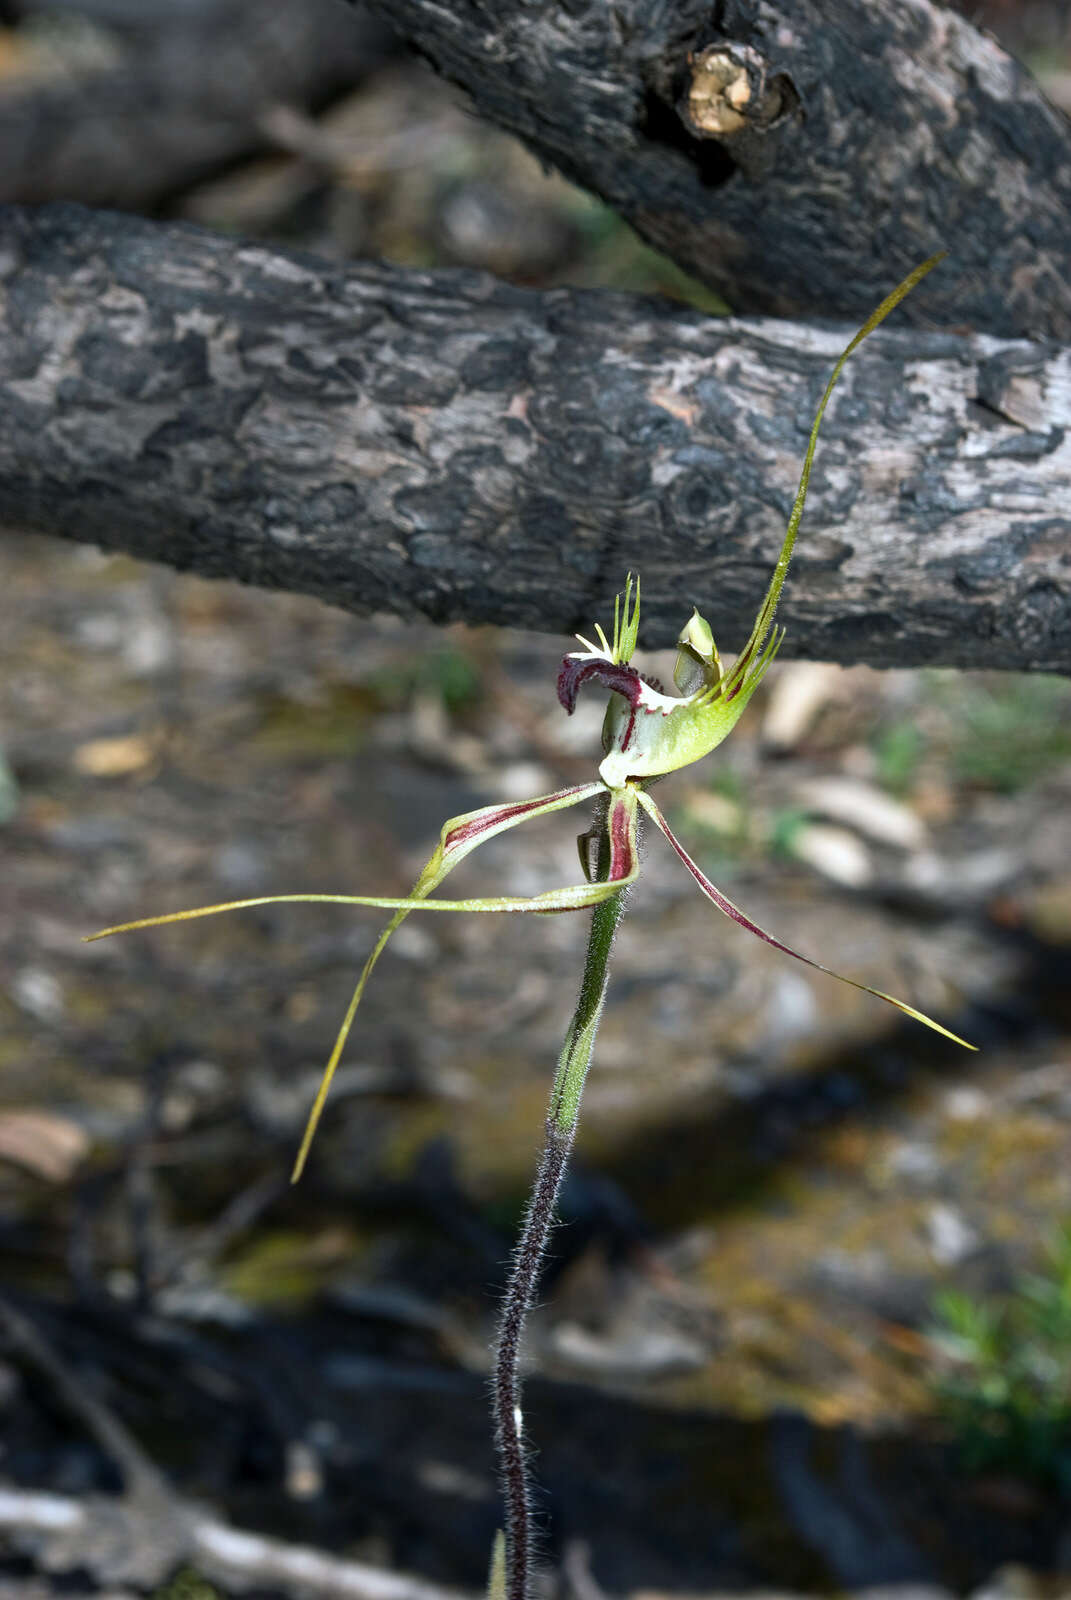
point(509, 1427)
point(532, 1244)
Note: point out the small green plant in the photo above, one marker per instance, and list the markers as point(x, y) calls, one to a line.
point(1003, 1376)
point(646, 734)
point(785, 825)
point(187, 1584)
point(447, 673)
point(898, 750)
point(1007, 732)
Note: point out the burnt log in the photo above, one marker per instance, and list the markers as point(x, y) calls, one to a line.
point(796, 155)
point(438, 443)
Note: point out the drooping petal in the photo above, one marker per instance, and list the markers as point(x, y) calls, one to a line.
point(459, 836)
point(724, 904)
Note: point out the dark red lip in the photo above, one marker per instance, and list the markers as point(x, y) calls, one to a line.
point(577, 670)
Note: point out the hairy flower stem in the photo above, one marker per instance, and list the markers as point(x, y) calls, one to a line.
point(531, 1248)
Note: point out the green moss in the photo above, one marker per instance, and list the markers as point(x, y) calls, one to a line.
point(286, 1269)
point(615, 257)
point(334, 725)
point(1004, 1378)
point(1007, 731)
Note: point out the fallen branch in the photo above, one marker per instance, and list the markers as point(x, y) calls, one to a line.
point(440, 444)
point(143, 1536)
point(798, 155)
point(114, 1540)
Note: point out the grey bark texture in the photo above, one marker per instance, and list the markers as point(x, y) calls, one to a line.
point(443, 445)
point(797, 155)
point(169, 93)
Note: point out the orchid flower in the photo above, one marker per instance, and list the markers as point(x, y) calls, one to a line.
point(646, 734)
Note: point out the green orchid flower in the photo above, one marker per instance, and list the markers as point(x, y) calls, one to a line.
point(646, 734)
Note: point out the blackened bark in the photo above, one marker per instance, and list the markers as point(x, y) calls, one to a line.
point(797, 155)
point(438, 443)
point(182, 94)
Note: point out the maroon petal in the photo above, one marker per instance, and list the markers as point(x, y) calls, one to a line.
point(576, 670)
point(725, 905)
point(468, 830)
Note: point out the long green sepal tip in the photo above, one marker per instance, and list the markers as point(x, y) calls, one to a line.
point(734, 913)
point(877, 316)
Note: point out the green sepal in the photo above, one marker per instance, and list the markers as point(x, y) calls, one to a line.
point(654, 733)
point(458, 838)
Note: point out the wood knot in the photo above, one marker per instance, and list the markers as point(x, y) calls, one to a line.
point(728, 90)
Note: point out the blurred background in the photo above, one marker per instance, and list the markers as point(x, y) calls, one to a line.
point(807, 1327)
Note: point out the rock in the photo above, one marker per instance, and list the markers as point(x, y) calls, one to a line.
point(1047, 909)
point(9, 792)
point(914, 1160)
point(632, 1353)
point(903, 1591)
point(520, 780)
point(798, 694)
point(865, 808)
point(148, 647)
point(952, 1239)
point(1018, 1583)
point(791, 1010)
point(241, 866)
point(714, 811)
point(50, 1146)
point(965, 1103)
point(721, 1594)
point(114, 758)
point(961, 880)
point(38, 992)
point(479, 223)
point(835, 853)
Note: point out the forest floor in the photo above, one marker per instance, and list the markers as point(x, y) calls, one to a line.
point(776, 1174)
point(743, 1376)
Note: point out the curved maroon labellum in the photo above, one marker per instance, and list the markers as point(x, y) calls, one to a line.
point(623, 680)
point(577, 669)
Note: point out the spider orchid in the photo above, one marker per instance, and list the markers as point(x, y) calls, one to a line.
point(646, 734)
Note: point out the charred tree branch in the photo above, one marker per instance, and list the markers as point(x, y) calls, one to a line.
point(797, 155)
point(439, 444)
